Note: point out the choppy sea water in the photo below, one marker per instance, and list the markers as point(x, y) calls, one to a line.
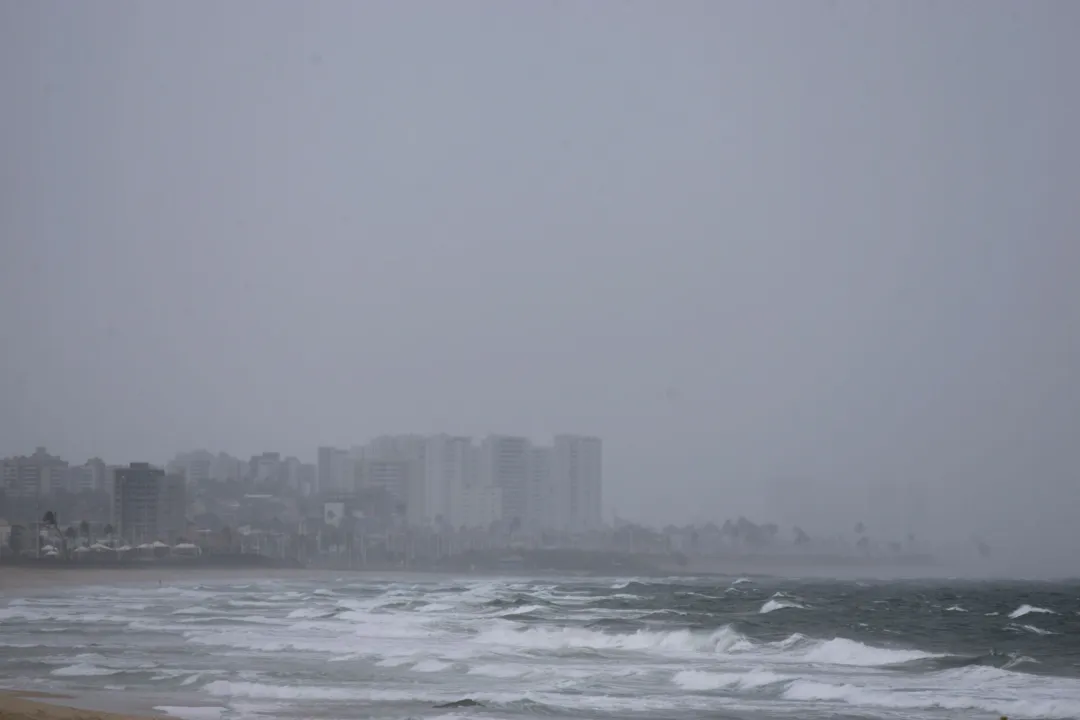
point(397, 647)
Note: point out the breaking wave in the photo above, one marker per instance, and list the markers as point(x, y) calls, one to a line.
point(675, 648)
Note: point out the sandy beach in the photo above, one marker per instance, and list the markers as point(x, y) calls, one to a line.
point(15, 705)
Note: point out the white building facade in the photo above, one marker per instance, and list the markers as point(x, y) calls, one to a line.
point(577, 471)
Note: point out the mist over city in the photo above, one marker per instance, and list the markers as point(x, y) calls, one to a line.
point(253, 234)
point(621, 290)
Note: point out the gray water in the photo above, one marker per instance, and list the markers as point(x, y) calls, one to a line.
point(397, 647)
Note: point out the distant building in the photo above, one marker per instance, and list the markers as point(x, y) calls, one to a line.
point(172, 511)
point(31, 476)
point(93, 476)
point(297, 476)
point(28, 481)
point(336, 471)
point(504, 464)
point(406, 455)
point(265, 468)
point(390, 476)
point(226, 468)
point(195, 466)
point(541, 492)
point(448, 470)
point(148, 505)
point(307, 477)
point(577, 473)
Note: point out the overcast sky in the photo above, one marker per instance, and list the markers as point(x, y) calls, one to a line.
point(776, 254)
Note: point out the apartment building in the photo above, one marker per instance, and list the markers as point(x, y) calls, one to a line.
point(504, 465)
point(148, 505)
point(577, 483)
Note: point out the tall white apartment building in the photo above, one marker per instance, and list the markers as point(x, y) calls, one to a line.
point(504, 465)
point(389, 475)
point(449, 471)
point(32, 476)
point(540, 503)
point(396, 447)
point(479, 503)
point(195, 466)
point(92, 476)
point(407, 453)
point(577, 472)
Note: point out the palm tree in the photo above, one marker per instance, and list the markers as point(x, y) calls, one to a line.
point(108, 531)
point(49, 521)
point(84, 530)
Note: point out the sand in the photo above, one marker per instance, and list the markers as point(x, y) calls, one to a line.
point(15, 705)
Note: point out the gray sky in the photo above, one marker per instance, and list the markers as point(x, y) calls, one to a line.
point(834, 242)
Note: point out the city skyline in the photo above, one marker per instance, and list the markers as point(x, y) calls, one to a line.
point(436, 481)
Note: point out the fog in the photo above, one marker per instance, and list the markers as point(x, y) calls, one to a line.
point(803, 262)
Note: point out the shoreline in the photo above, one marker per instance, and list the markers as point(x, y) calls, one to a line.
point(18, 581)
point(32, 705)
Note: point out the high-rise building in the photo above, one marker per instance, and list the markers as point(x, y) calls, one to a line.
point(389, 476)
point(28, 482)
point(226, 468)
point(196, 466)
point(541, 491)
point(577, 483)
point(449, 471)
point(89, 477)
point(148, 505)
point(172, 509)
point(504, 465)
point(406, 453)
point(336, 471)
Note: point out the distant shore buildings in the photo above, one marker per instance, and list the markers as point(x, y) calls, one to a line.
point(452, 481)
point(435, 483)
point(395, 501)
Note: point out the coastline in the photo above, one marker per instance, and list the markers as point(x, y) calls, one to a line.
point(28, 705)
point(19, 581)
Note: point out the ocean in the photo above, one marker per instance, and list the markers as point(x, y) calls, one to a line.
point(397, 646)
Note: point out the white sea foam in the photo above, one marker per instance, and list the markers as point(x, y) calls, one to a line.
point(430, 666)
point(264, 651)
point(544, 638)
point(84, 670)
point(502, 670)
point(1027, 610)
point(703, 680)
point(962, 699)
point(1030, 628)
point(772, 605)
point(841, 651)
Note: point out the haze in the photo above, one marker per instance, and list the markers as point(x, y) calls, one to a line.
point(779, 256)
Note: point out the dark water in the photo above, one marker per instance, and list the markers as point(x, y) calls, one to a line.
point(396, 647)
